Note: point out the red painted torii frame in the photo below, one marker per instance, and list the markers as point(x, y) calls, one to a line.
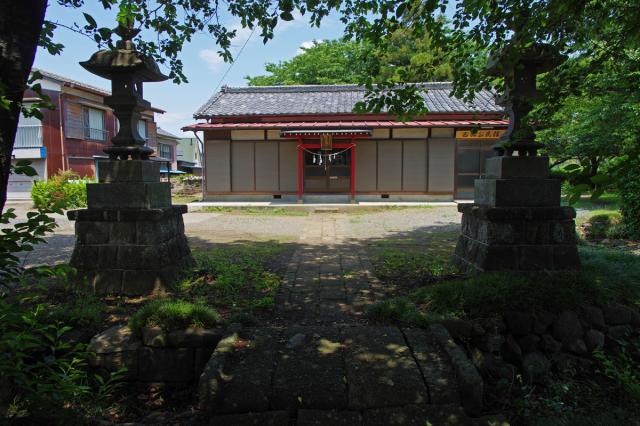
point(352, 145)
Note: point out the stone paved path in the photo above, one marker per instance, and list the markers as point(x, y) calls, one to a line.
point(319, 363)
point(329, 280)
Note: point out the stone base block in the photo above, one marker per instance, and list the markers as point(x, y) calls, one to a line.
point(129, 195)
point(527, 192)
point(128, 171)
point(517, 167)
point(517, 238)
point(130, 252)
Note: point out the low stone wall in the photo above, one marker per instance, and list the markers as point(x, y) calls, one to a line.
point(178, 356)
point(535, 342)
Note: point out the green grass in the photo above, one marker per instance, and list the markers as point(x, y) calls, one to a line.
point(413, 260)
point(607, 275)
point(236, 277)
point(185, 199)
point(398, 311)
point(81, 309)
point(173, 315)
point(607, 201)
point(256, 211)
point(615, 417)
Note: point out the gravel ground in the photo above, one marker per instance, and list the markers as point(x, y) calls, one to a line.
point(205, 229)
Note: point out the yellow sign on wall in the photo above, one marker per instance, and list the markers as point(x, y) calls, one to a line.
point(480, 134)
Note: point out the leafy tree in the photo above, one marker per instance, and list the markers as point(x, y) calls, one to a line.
point(406, 59)
point(326, 62)
point(403, 60)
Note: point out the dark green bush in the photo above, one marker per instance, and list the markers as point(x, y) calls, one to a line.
point(629, 189)
point(397, 310)
point(66, 190)
point(43, 376)
point(607, 275)
point(173, 315)
point(602, 222)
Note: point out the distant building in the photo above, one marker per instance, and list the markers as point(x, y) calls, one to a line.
point(189, 156)
point(165, 151)
point(72, 136)
point(292, 142)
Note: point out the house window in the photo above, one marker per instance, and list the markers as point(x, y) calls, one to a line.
point(166, 151)
point(29, 133)
point(94, 124)
point(142, 129)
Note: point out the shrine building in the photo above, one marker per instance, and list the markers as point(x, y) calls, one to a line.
point(303, 143)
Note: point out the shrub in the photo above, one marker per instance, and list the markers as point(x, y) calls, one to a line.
point(607, 275)
point(173, 315)
point(397, 310)
point(43, 375)
point(621, 367)
point(629, 189)
point(65, 190)
point(601, 222)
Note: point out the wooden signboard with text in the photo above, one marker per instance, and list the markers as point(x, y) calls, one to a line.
point(326, 142)
point(480, 134)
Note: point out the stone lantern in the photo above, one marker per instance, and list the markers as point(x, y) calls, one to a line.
point(516, 221)
point(130, 239)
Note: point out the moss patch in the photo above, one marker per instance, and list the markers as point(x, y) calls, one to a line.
point(173, 315)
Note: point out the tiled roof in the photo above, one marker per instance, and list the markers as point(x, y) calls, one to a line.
point(161, 132)
point(338, 99)
point(67, 80)
point(89, 87)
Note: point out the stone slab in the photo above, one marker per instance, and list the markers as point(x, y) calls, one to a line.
point(129, 195)
point(502, 213)
point(416, 415)
point(310, 370)
point(470, 384)
point(381, 371)
point(126, 215)
point(128, 171)
point(435, 365)
point(237, 378)
point(517, 167)
point(328, 418)
point(268, 418)
point(165, 365)
point(525, 192)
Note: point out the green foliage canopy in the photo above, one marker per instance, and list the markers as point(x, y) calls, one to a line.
point(406, 60)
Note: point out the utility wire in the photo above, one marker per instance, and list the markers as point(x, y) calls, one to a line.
point(234, 60)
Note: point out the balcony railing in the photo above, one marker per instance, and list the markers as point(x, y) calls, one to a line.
point(29, 136)
point(95, 134)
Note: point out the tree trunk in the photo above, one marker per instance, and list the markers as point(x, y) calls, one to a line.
point(20, 25)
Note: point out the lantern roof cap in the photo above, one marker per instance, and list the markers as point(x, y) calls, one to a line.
point(124, 59)
point(544, 57)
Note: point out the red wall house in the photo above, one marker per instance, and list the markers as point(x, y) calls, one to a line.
point(71, 136)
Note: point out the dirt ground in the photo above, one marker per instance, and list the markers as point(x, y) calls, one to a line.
point(402, 226)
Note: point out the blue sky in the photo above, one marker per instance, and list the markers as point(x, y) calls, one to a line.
point(202, 65)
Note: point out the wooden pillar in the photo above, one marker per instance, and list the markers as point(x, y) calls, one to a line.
point(300, 169)
point(353, 169)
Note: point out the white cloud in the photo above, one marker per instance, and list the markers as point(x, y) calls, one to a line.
point(306, 45)
point(174, 121)
point(212, 58)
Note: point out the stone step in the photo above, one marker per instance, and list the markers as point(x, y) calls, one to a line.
point(418, 415)
point(328, 375)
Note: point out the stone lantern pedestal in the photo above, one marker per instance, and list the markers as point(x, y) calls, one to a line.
point(516, 222)
point(130, 239)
